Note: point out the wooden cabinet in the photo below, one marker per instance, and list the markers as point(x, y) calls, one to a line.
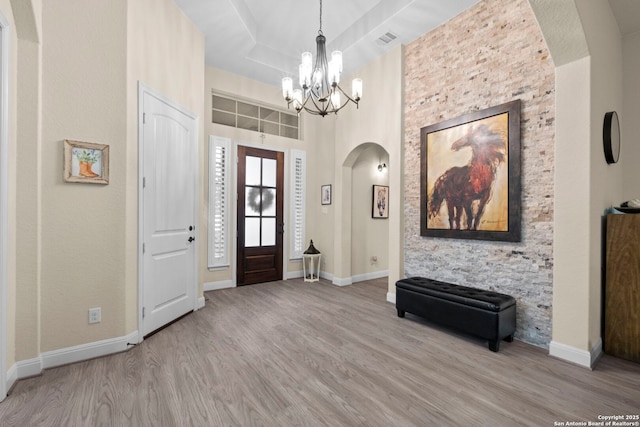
point(622, 291)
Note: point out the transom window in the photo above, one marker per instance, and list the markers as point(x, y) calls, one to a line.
point(245, 115)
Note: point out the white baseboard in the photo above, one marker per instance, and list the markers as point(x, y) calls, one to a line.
point(391, 297)
point(294, 274)
point(338, 281)
point(575, 355)
point(12, 377)
point(29, 368)
point(369, 276)
point(222, 284)
point(344, 281)
point(327, 276)
point(200, 303)
point(81, 352)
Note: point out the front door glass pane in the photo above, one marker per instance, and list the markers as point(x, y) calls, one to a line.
point(268, 202)
point(268, 232)
point(268, 173)
point(251, 232)
point(252, 176)
point(252, 201)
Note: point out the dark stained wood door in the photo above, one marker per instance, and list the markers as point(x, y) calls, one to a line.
point(622, 293)
point(260, 215)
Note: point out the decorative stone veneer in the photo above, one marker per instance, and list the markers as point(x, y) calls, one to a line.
point(490, 54)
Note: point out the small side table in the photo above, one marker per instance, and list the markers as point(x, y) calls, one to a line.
point(311, 267)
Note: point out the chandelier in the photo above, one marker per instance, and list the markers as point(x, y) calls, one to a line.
point(320, 93)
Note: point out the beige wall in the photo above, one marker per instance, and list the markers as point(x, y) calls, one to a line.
point(77, 243)
point(378, 120)
point(82, 234)
point(165, 52)
point(587, 89)
point(571, 240)
point(605, 48)
point(369, 236)
point(10, 303)
point(29, 156)
point(629, 123)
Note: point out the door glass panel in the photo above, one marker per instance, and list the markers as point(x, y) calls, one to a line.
point(268, 202)
point(252, 176)
point(268, 231)
point(252, 201)
point(252, 232)
point(268, 172)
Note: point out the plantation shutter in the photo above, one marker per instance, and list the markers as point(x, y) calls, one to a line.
point(218, 243)
point(298, 190)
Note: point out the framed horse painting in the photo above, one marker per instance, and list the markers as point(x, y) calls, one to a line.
point(470, 176)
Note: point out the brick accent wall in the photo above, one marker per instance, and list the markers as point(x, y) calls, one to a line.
point(490, 54)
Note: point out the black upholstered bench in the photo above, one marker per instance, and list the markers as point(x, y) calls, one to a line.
point(485, 314)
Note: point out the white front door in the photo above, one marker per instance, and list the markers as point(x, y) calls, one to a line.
point(169, 177)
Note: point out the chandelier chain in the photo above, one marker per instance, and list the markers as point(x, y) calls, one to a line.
point(320, 30)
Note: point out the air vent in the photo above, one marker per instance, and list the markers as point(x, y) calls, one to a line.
point(386, 38)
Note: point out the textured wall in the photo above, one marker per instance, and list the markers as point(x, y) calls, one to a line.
point(490, 54)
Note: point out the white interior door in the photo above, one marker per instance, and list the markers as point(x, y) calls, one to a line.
point(169, 178)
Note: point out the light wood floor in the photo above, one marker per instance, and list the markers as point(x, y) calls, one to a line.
point(300, 354)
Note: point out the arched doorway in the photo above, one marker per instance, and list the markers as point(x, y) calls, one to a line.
point(361, 244)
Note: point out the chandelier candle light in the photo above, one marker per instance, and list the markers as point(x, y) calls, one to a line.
point(320, 93)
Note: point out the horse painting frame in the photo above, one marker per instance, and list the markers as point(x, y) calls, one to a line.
point(470, 179)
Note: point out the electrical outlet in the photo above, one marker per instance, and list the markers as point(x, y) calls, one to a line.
point(95, 315)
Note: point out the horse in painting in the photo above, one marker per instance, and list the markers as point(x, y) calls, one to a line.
point(468, 188)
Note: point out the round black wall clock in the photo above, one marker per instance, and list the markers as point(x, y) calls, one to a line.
point(611, 137)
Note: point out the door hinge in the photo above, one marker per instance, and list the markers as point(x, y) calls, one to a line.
point(144, 248)
point(144, 118)
point(143, 311)
point(144, 182)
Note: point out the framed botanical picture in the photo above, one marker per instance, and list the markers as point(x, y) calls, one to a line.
point(470, 176)
point(325, 194)
point(380, 202)
point(86, 162)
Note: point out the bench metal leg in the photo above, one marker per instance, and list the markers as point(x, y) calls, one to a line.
point(494, 345)
point(509, 338)
point(400, 312)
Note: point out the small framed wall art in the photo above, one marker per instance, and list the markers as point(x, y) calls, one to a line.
point(86, 162)
point(380, 202)
point(325, 194)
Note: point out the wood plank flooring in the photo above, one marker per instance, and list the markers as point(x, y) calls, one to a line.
point(300, 354)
